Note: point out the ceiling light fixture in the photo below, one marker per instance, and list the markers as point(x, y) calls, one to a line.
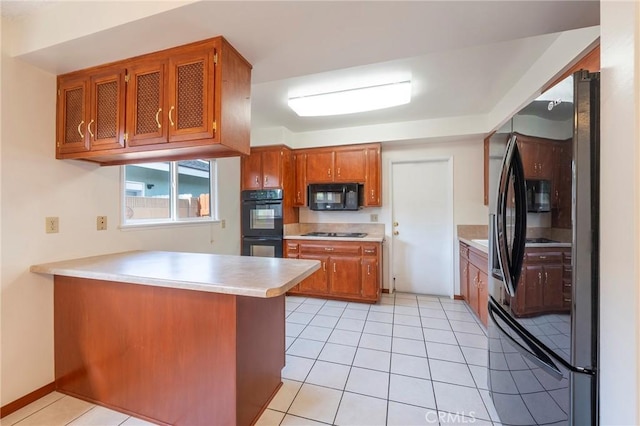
point(352, 100)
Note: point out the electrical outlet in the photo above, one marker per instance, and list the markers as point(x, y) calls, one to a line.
point(101, 223)
point(223, 224)
point(51, 225)
point(374, 217)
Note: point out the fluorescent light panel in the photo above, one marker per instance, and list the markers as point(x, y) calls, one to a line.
point(352, 100)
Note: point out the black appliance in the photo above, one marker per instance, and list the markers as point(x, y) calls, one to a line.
point(543, 367)
point(538, 195)
point(335, 196)
point(261, 224)
point(262, 246)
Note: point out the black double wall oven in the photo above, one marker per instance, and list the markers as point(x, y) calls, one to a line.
point(262, 226)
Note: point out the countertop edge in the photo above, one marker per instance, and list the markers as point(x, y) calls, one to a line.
point(475, 245)
point(54, 268)
point(485, 249)
point(310, 238)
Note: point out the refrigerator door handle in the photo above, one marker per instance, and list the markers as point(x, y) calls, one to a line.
point(533, 353)
point(532, 341)
point(511, 263)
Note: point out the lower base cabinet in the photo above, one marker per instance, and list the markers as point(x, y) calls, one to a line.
point(474, 280)
point(349, 270)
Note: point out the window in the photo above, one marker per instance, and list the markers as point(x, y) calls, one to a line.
point(168, 192)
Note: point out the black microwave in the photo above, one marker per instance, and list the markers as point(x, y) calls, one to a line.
point(335, 196)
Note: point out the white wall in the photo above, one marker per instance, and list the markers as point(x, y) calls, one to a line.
point(36, 185)
point(619, 215)
point(468, 191)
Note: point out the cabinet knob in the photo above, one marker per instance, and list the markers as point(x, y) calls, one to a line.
point(396, 233)
point(395, 223)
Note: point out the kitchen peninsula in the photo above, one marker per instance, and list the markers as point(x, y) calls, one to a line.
point(175, 338)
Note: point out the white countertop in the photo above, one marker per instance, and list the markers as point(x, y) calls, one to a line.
point(370, 238)
point(238, 275)
point(482, 245)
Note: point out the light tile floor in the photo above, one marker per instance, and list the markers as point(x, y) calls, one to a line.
point(408, 360)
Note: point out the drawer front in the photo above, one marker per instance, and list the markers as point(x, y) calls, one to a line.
point(331, 249)
point(479, 260)
point(543, 257)
point(369, 250)
point(464, 250)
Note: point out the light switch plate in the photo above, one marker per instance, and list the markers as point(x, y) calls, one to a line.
point(51, 225)
point(101, 223)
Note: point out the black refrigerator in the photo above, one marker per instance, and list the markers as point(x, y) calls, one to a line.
point(543, 293)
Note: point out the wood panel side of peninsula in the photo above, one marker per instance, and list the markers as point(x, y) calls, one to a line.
point(172, 356)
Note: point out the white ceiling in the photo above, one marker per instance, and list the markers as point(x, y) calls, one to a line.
point(462, 57)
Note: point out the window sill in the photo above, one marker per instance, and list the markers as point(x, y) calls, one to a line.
point(168, 224)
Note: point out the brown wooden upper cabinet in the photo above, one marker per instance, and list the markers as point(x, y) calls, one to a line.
point(264, 168)
point(300, 172)
point(187, 102)
point(538, 157)
point(348, 163)
point(91, 111)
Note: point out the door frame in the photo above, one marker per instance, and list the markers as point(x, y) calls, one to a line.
point(449, 182)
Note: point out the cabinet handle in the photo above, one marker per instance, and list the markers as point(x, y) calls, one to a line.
point(299, 195)
point(567, 300)
point(266, 180)
point(328, 172)
point(372, 196)
point(79, 131)
point(540, 277)
point(338, 171)
point(334, 267)
point(324, 266)
point(89, 128)
point(543, 257)
point(368, 269)
point(157, 119)
point(546, 277)
point(328, 249)
point(170, 111)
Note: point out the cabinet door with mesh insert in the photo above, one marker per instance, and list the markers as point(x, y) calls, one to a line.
point(106, 124)
point(73, 101)
point(191, 99)
point(147, 114)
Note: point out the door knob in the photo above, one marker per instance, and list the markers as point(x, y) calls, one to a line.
point(396, 233)
point(395, 223)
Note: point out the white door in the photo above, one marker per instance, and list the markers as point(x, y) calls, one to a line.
point(422, 226)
